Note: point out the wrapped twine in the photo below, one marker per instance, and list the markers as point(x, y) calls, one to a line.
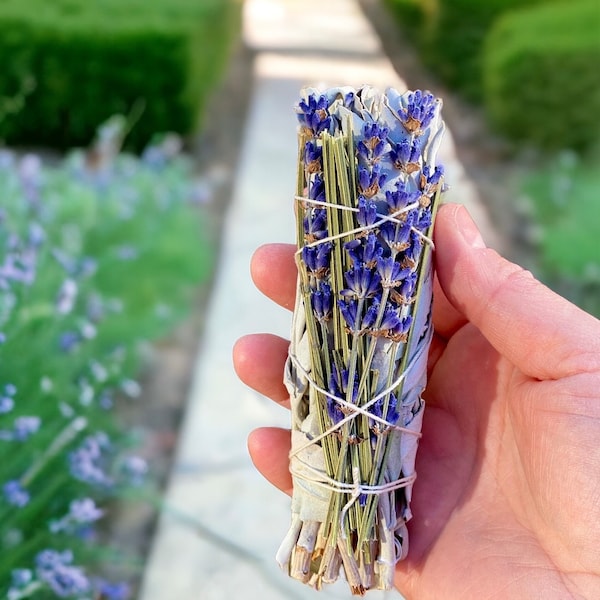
point(367, 192)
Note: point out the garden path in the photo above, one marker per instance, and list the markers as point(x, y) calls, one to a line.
point(217, 536)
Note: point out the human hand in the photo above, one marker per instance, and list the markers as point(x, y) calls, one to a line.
point(507, 500)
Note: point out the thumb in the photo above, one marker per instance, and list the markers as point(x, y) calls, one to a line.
point(540, 332)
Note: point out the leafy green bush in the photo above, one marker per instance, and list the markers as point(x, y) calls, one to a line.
point(71, 64)
point(454, 34)
point(564, 197)
point(411, 15)
point(98, 256)
point(541, 74)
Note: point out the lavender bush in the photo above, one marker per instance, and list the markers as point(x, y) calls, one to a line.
point(98, 255)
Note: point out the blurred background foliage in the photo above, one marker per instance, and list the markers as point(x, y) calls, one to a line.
point(105, 243)
point(532, 68)
point(69, 65)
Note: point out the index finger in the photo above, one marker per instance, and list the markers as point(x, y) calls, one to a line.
point(274, 273)
point(537, 330)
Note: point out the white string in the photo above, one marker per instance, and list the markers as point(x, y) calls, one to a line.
point(356, 489)
point(358, 230)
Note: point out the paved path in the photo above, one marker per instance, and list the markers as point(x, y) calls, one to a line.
point(214, 497)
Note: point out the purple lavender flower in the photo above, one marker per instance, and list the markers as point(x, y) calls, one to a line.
point(365, 250)
point(367, 212)
point(312, 113)
point(55, 569)
point(322, 302)
point(21, 578)
point(66, 297)
point(371, 180)
point(406, 154)
point(135, 468)
point(315, 225)
point(316, 258)
point(15, 494)
point(400, 198)
point(25, 427)
point(69, 340)
point(374, 142)
point(113, 591)
point(391, 414)
point(419, 112)
point(84, 511)
point(85, 462)
point(349, 310)
point(398, 236)
point(317, 189)
point(361, 282)
point(7, 402)
point(313, 157)
point(391, 272)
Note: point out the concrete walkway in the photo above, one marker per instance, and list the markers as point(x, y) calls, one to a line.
point(223, 523)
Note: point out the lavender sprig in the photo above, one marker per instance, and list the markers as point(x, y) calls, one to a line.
point(368, 188)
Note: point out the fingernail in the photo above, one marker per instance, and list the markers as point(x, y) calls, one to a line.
point(466, 226)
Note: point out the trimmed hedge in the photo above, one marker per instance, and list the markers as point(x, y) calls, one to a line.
point(68, 65)
point(451, 34)
point(541, 75)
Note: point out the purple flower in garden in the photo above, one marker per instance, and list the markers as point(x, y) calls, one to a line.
point(135, 468)
point(20, 578)
point(7, 402)
point(84, 511)
point(25, 427)
point(113, 591)
point(66, 297)
point(69, 340)
point(15, 494)
point(55, 569)
point(313, 113)
point(86, 461)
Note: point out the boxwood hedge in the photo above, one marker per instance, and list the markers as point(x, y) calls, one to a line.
point(68, 65)
point(541, 74)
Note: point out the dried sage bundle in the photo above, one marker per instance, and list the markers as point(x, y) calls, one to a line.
point(367, 192)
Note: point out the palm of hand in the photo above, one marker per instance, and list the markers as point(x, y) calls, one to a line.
point(507, 500)
point(498, 505)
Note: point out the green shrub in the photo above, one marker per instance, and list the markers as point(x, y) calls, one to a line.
point(70, 64)
point(453, 38)
point(563, 196)
point(411, 15)
point(541, 75)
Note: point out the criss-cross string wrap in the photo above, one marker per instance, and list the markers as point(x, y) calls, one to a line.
point(356, 489)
